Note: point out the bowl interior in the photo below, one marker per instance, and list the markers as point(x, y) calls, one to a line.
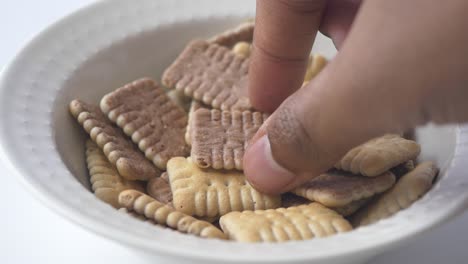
point(104, 47)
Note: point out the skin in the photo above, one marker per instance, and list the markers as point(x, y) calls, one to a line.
point(400, 64)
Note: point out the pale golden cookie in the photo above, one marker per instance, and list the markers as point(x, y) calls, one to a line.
point(241, 33)
point(316, 63)
point(338, 188)
point(106, 182)
point(406, 191)
point(242, 49)
point(283, 224)
point(147, 115)
point(159, 189)
point(208, 192)
point(220, 138)
point(212, 74)
point(379, 155)
point(165, 215)
point(180, 99)
point(120, 151)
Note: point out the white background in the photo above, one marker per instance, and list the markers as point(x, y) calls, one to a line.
point(31, 233)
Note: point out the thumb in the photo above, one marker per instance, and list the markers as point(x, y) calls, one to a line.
point(387, 86)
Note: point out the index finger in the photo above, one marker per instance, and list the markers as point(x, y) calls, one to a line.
point(283, 37)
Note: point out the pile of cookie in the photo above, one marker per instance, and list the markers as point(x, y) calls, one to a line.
point(173, 155)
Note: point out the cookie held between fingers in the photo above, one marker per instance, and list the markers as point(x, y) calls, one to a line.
point(379, 155)
point(283, 224)
point(212, 74)
point(220, 138)
point(120, 151)
point(337, 188)
point(406, 191)
point(153, 121)
point(165, 215)
point(241, 33)
point(208, 192)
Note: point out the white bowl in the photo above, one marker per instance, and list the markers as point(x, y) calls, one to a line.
point(110, 43)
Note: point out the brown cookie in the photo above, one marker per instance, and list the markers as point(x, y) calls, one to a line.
point(159, 189)
point(219, 138)
point(106, 182)
point(229, 38)
point(337, 188)
point(379, 155)
point(212, 74)
point(120, 151)
point(153, 121)
point(194, 106)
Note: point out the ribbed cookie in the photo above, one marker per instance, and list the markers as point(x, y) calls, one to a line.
point(283, 224)
point(212, 74)
point(379, 155)
point(180, 99)
point(337, 188)
point(165, 215)
point(208, 192)
point(242, 32)
point(153, 121)
point(351, 208)
point(194, 106)
point(120, 151)
point(220, 138)
point(159, 189)
point(406, 191)
point(105, 180)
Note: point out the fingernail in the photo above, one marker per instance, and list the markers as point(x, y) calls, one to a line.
point(262, 171)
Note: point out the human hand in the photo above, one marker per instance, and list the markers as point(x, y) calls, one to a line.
point(400, 64)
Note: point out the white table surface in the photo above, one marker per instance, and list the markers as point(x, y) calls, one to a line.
point(31, 233)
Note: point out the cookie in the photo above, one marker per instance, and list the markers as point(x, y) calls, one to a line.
point(106, 182)
point(337, 188)
point(242, 49)
point(316, 63)
point(194, 106)
point(165, 215)
point(147, 115)
point(283, 224)
point(406, 191)
point(180, 99)
point(120, 151)
point(219, 138)
point(208, 192)
point(241, 33)
point(212, 74)
point(132, 214)
point(403, 168)
point(379, 155)
point(159, 189)
point(290, 199)
point(351, 208)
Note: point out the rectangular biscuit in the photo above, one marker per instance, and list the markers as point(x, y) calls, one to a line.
point(106, 182)
point(219, 138)
point(208, 192)
point(283, 224)
point(165, 215)
point(409, 188)
point(337, 188)
point(194, 106)
point(243, 32)
point(147, 115)
point(120, 151)
point(379, 155)
point(212, 74)
point(159, 189)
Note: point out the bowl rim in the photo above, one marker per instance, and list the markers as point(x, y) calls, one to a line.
point(12, 163)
